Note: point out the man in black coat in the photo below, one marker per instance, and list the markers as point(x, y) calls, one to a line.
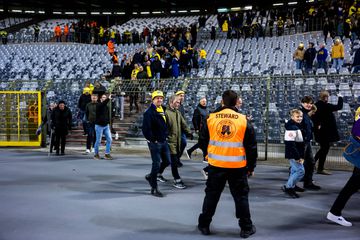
point(309, 57)
point(325, 128)
point(84, 99)
point(61, 122)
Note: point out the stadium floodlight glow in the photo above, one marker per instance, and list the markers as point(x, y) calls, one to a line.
point(81, 13)
point(172, 11)
point(57, 12)
point(41, 12)
point(144, 13)
point(182, 11)
point(235, 9)
point(95, 13)
point(1, 10)
point(248, 7)
point(195, 11)
point(106, 13)
point(157, 12)
point(134, 13)
point(29, 11)
point(69, 13)
point(119, 13)
point(310, 1)
point(222, 10)
point(292, 3)
point(16, 10)
point(278, 4)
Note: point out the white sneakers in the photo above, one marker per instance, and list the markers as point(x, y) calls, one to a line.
point(87, 151)
point(338, 219)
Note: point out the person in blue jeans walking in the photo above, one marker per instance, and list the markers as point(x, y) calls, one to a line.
point(156, 133)
point(294, 151)
point(102, 126)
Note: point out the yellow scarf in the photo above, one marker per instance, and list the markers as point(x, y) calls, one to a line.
point(161, 111)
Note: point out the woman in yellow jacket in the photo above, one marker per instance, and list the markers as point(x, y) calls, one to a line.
point(338, 54)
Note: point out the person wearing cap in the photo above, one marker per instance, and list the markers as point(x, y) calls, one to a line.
point(61, 119)
point(156, 133)
point(299, 56)
point(338, 54)
point(84, 99)
point(202, 60)
point(181, 95)
point(176, 125)
point(321, 57)
point(232, 155)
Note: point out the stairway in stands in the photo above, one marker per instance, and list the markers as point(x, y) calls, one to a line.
point(76, 137)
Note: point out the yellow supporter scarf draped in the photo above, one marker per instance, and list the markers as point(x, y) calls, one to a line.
point(161, 111)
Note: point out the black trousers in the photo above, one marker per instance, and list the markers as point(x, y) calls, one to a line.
point(174, 168)
point(351, 187)
point(309, 163)
point(60, 141)
point(196, 146)
point(321, 155)
point(133, 100)
point(91, 138)
point(239, 188)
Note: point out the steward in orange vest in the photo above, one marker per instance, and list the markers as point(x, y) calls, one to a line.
point(231, 154)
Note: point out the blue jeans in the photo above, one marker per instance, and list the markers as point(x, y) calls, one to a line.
point(338, 62)
point(298, 64)
point(202, 63)
point(100, 130)
point(296, 174)
point(160, 155)
point(322, 64)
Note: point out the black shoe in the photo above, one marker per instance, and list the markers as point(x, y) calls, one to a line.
point(298, 189)
point(57, 153)
point(290, 192)
point(156, 193)
point(62, 154)
point(148, 177)
point(312, 187)
point(160, 178)
point(179, 164)
point(204, 230)
point(248, 233)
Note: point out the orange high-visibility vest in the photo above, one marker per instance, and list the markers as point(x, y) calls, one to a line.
point(57, 31)
point(66, 30)
point(227, 131)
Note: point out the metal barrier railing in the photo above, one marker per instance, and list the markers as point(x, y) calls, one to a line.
point(267, 98)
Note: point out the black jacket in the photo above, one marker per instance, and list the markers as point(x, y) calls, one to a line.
point(156, 66)
point(294, 144)
point(199, 117)
point(102, 113)
point(306, 125)
point(249, 143)
point(61, 120)
point(83, 101)
point(99, 90)
point(356, 61)
point(154, 126)
point(325, 128)
point(309, 55)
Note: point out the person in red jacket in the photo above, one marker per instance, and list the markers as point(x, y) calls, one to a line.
point(66, 32)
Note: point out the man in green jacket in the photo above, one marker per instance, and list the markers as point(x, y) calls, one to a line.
point(176, 124)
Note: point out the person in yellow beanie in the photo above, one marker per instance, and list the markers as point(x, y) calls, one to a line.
point(299, 56)
point(156, 134)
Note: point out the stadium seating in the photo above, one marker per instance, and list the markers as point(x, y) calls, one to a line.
point(8, 22)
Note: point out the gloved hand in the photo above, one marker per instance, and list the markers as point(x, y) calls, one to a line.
point(38, 131)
